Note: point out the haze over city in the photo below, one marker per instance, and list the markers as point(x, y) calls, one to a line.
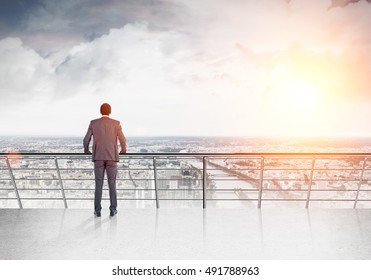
point(186, 68)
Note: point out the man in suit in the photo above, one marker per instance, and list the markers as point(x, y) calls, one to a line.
point(105, 132)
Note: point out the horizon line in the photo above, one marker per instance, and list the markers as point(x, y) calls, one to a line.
point(204, 136)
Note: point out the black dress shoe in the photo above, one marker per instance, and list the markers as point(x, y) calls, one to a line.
point(113, 213)
point(97, 214)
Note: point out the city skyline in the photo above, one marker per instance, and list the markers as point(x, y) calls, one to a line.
point(197, 68)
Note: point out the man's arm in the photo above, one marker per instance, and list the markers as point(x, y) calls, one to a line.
point(87, 139)
point(122, 140)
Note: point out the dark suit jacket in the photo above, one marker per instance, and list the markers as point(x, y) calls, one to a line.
point(105, 132)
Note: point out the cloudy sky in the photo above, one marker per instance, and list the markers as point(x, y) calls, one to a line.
point(173, 67)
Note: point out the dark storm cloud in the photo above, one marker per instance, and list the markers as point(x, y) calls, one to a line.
point(340, 3)
point(80, 20)
point(343, 3)
point(12, 13)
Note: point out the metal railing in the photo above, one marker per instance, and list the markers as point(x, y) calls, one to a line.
point(204, 179)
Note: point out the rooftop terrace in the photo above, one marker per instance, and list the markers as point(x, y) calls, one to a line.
point(188, 206)
point(186, 234)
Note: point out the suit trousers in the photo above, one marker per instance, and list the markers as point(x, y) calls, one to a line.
point(100, 167)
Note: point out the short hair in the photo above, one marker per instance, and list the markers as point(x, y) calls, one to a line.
point(105, 109)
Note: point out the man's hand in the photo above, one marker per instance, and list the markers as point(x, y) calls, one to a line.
point(87, 152)
point(122, 152)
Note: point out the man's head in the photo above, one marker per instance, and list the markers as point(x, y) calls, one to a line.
point(105, 109)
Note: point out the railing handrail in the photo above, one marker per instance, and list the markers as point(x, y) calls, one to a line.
point(309, 154)
point(212, 159)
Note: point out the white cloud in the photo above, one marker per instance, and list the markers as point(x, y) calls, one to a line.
point(24, 74)
point(189, 77)
point(138, 69)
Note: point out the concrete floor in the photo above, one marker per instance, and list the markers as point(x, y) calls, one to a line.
point(186, 234)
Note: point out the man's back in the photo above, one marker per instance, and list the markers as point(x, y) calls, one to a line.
point(105, 132)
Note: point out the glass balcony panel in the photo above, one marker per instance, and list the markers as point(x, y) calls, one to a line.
point(285, 185)
point(79, 184)
point(6, 184)
point(282, 204)
point(344, 175)
point(37, 183)
point(137, 194)
point(180, 194)
point(221, 177)
point(122, 204)
point(9, 203)
point(231, 179)
point(231, 204)
point(367, 175)
point(29, 163)
point(51, 194)
point(9, 193)
point(179, 182)
point(4, 174)
point(335, 185)
point(291, 185)
point(179, 174)
point(238, 193)
point(127, 195)
point(138, 162)
point(333, 195)
point(134, 184)
point(41, 203)
point(252, 174)
point(35, 174)
point(135, 174)
point(228, 177)
point(234, 163)
point(3, 164)
point(364, 204)
point(339, 163)
point(121, 193)
point(77, 174)
point(180, 204)
point(218, 174)
point(176, 163)
point(364, 195)
point(225, 169)
point(71, 163)
point(288, 175)
point(287, 163)
point(285, 195)
point(78, 194)
point(331, 204)
point(85, 204)
point(368, 163)
point(221, 194)
point(366, 185)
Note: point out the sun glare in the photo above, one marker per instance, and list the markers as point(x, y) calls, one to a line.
point(295, 108)
point(297, 96)
point(302, 95)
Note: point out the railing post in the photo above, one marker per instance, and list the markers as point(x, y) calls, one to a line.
point(13, 182)
point(156, 183)
point(61, 183)
point(360, 182)
point(261, 182)
point(204, 181)
point(310, 183)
